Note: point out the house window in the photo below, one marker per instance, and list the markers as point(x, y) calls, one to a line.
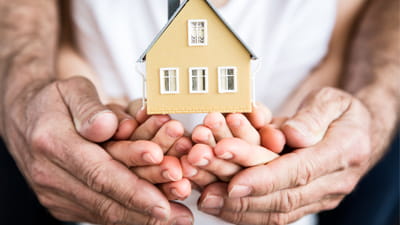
point(198, 80)
point(227, 78)
point(169, 80)
point(197, 32)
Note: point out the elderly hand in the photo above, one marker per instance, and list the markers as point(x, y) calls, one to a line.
point(50, 132)
point(331, 136)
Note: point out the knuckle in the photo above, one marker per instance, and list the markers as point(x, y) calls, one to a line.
point(40, 176)
point(46, 201)
point(41, 140)
point(237, 218)
point(96, 177)
point(241, 205)
point(290, 200)
point(105, 210)
point(361, 148)
point(304, 173)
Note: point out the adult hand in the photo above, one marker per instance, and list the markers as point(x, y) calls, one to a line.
point(331, 134)
point(50, 133)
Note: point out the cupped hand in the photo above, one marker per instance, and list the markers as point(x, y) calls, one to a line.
point(226, 144)
point(152, 149)
point(50, 132)
point(331, 136)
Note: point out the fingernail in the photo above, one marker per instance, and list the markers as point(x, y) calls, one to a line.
point(176, 193)
point(299, 127)
point(167, 175)
point(92, 119)
point(149, 158)
point(159, 213)
point(226, 155)
point(171, 132)
point(212, 202)
point(239, 191)
point(183, 221)
point(236, 122)
point(202, 162)
point(214, 212)
point(191, 172)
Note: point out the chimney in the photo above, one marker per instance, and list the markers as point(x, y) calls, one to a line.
point(173, 5)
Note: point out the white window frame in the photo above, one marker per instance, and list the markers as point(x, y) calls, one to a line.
point(162, 83)
point(220, 77)
point(191, 79)
point(190, 31)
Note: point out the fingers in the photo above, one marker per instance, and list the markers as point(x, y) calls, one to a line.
point(169, 170)
point(126, 123)
point(217, 124)
point(272, 138)
point(148, 129)
point(260, 116)
point(308, 126)
point(202, 156)
point(203, 135)
point(198, 176)
point(168, 134)
point(136, 109)
point(71, 200)
point(135, 153)
point(94, 167)
point(177, 190)
point(284, 201)
point(181, 147)
point(240, 152)
point(242, 128)
point(92, 119)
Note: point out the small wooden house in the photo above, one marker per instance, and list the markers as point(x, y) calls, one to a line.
point(197, 64)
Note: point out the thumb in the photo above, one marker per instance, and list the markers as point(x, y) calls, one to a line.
point(92, 120)
point(309, 125)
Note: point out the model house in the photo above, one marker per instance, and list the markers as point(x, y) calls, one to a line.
point(197, 64)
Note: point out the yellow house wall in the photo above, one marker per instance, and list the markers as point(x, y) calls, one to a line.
point(173, 50)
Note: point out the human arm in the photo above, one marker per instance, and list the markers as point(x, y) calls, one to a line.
point(337, 136)
point(74, 178)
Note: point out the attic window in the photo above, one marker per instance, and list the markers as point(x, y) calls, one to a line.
point(169, 80)
point(198, 80)
point(227, 77)
point(197, 32)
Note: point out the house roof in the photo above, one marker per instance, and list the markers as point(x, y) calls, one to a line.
point(143, 56)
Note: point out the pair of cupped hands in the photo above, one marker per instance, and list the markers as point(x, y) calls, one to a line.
point(109, 165)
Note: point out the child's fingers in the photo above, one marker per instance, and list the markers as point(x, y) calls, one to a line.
point(242, 128)
point(199, 177)
point(272, 138)
point(177, 190)
point(260, 116)
point(169, 170)
point(148, 129)
point(238, 151)
point(135, 153)
point(137, 110)
point(126, 123)
point(168, 134)
point(217, 124)
point(203, 135)
point(202, 156)
point(181, 147)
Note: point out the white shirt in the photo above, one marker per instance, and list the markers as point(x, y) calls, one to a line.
point(289, 36)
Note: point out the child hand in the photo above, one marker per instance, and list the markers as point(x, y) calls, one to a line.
point(226, 144)
point(141, 143)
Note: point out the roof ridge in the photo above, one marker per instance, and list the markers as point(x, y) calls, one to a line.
point(183, 4)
